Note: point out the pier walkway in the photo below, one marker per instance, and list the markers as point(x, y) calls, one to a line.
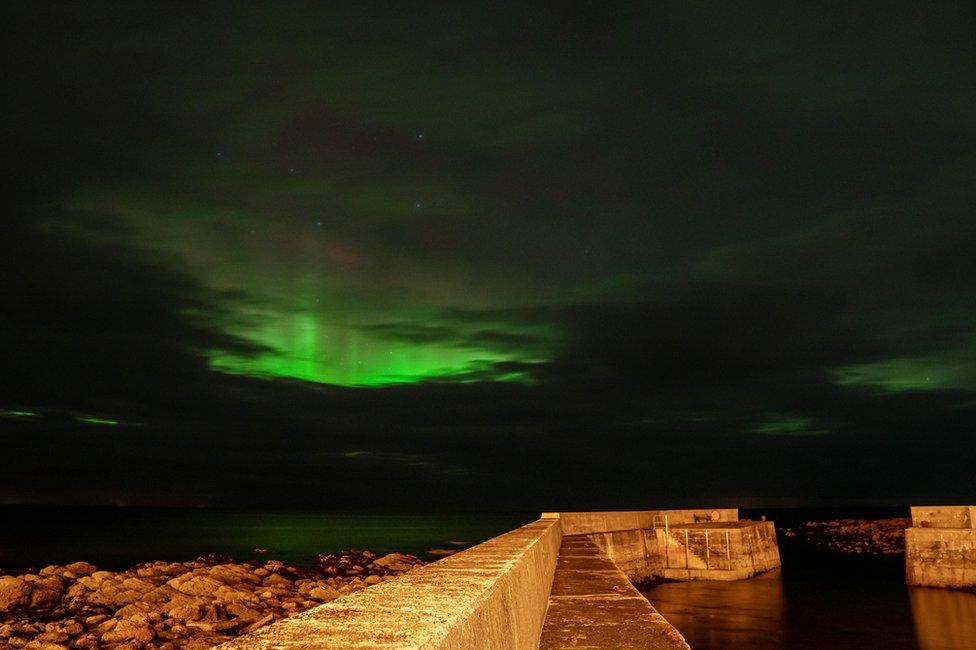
point(592, 604)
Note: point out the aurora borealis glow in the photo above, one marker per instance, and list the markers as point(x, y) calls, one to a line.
point(439, 250)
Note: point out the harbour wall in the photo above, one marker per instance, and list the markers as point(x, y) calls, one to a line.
point(496, 595)
point(702, 544)
point(492, 596)
point(940, 547)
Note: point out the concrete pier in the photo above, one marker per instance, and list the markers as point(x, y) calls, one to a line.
point(680, 544)
point(593, 605)
point(562, 581)
point(940, 547)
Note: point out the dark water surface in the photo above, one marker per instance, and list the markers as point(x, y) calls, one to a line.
point(116, 538)
point(820, 600)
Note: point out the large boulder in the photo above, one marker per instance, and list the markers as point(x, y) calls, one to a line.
point(230, 595)
point(195, 585)
point(395, 562)
point(51, 637)
point(186, 612)
point(273, 566)
point(47, 592)
point(324, 594)
point(14, 592)
point(129, 630)
point(233, 574)
point(80, 568)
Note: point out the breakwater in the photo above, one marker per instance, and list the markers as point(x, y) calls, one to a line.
point(560, 581)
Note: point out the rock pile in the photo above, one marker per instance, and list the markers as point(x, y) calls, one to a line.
point(855, 536)
point(164, 605)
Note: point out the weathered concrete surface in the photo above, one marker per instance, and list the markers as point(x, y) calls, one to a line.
point(491, 596)
point(940, 548)
point(944, 516)
point(701, 544)
point(582, 523)
point(717, 551)
point(940, 557)
point(594, 605)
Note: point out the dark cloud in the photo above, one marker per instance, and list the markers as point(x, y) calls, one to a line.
point(86, 323)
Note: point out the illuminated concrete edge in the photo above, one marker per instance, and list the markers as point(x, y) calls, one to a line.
point(491, 596)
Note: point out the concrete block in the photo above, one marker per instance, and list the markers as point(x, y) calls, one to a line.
point(940, 557)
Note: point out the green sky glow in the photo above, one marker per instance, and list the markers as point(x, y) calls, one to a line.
point(951, 370)
point(788, 424)
point(91, 419)
point(13, 413)
point(311, 293)
point(305, 346)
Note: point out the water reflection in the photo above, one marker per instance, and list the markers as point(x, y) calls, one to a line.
point(944, 620)
point(820, 603)
point(740, 614)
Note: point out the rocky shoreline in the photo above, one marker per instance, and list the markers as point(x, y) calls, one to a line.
point(883, 537)
point(163, 605)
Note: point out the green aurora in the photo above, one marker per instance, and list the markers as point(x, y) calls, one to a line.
point(373, 188)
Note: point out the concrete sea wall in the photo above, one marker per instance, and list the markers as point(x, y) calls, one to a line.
point(716, 552)
point(628, 538)
point(940, 547)
point(702, 544)
point(944, 516)
point(492, 596)
point(583, 523)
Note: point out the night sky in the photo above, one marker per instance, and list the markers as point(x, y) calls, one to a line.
point(488, 256)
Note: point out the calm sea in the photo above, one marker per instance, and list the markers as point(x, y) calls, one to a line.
point(116, 538)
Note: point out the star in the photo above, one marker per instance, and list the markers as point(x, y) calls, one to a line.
point(420, 136)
